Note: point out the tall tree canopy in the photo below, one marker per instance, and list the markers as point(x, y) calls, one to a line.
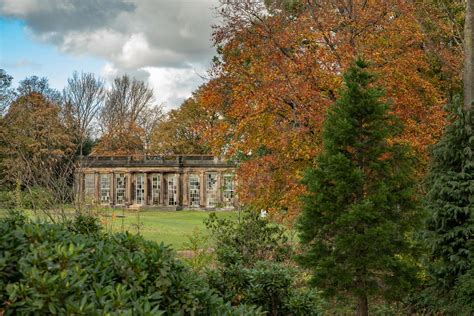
point(125, 119)
point(83, 99)
point(33, 140)
point(179, 132)
point(279, 69)
point(361, 205)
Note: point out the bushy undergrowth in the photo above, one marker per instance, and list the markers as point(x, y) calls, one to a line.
point(253, 267)
point(49, 268)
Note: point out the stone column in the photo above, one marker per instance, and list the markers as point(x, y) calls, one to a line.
point(97, 188)
point(145, 195)
point(220, 189)
point(202, 189)
point(179, 189)
point(186, 189)
point(128, 188)
point(162, 189)
point(112, 188)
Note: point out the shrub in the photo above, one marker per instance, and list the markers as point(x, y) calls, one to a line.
point(248, 240)
point(49, 269)
point(84, 224)
point(252, 266)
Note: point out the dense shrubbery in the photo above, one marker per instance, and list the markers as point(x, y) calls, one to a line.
point(253, 266)
point(47, 268)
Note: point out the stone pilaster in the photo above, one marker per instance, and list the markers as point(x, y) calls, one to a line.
point(145, 195)
point(162, 189)
point(97, 188)
point(202, 189)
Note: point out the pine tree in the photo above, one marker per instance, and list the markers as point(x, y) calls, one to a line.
point(450, 203)
point(361, 205)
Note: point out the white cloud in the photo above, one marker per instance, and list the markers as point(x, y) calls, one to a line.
point(154, 39)
point(172, 86)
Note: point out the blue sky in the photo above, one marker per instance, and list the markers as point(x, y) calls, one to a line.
point(22, 56)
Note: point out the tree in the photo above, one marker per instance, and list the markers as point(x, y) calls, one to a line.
point(469, 56)
point(450, 203)
point(125, 116)
point(5, 92)
point(83, 99)
point(36, 150)
point(361, 202)
point(450, 199)
point(179, 132)
point(279, 69)
point(41, 86)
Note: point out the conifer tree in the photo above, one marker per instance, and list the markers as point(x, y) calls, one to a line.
point(361, 205)
point(450, 205)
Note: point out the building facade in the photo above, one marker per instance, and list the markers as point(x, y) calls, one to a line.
point(177, 182)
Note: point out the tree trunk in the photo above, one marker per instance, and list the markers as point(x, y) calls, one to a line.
point(362, 306)
point(468, 56)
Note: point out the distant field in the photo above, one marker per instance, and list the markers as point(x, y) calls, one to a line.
point(170, 227)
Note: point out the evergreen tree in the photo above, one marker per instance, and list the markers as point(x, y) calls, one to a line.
point(361, 204)
point(450, 203)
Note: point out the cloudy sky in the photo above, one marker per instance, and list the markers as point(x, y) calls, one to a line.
point(165, 42)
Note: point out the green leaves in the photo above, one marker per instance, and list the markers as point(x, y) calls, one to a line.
point(450, 203)
point(47, 269)
point(361, 206)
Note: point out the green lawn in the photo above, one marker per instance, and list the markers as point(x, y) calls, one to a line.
point(170, 227)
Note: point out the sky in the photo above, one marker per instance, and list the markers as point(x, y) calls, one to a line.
point(166, 43)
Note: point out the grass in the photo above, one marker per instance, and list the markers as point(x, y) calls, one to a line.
point(169, 227)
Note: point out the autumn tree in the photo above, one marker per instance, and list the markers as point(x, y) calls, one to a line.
point(35, 149)
point(83, 99)
point(180, 132)
point(38, 85)
point(125, 119)
point(279, 69)
point(361, 203)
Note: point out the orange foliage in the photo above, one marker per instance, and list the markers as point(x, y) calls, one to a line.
point(280, 69)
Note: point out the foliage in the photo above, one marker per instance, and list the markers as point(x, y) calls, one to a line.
point(251, 268)
point(450, 203)
point(271, 286)
point(45, 268)
point(84, 224)
point(127, 117)
point(201, 255)
point(361, 207)
point(250, 239)
point(32, 140)
point(279, 69)
point(179, 133)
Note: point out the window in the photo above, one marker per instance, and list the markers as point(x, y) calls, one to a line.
point(140, 188)
point(155, 188)
point(172, 190)
point(119, 188)
point(194, 198)
point(211, 189)
point(89, 185)
point(104, 188)
point(229, 191)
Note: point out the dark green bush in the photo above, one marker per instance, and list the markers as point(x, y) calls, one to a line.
point(271, 286)
point(249, 239)
point(47, 269)
point(252, 267)
point(84, 224)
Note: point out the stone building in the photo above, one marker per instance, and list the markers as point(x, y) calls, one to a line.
point(177, 182)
